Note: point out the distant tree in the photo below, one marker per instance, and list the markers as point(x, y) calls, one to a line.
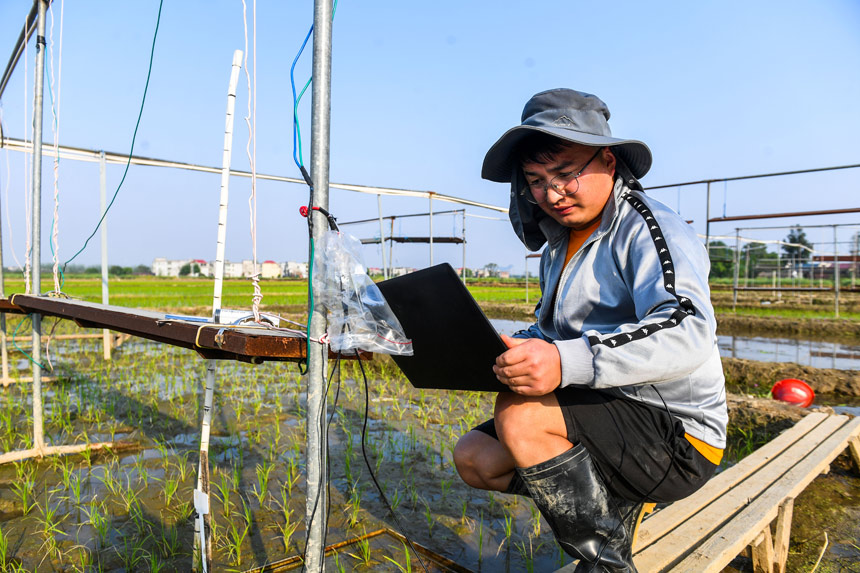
point(492, 269)
point(722, 259)
point(119, 271)
point(93, 270)
point(797, 236)
point(195, 269)
point(185, 270)
point(141, 270)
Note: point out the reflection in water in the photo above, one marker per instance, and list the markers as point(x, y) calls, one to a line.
point(817, 354)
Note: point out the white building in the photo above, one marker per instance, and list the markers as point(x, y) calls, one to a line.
point(295, 270)
point(270, 270)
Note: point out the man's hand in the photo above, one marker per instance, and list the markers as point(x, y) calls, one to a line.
point(530, 366)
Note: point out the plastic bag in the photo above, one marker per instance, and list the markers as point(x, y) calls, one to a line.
point(358, 315)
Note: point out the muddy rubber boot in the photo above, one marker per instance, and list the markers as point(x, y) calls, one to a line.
point(583, 515)
point(517, 486)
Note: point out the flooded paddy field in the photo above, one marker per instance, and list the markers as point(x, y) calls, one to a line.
point(131, 509)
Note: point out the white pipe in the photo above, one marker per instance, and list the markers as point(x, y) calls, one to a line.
point(106, 343)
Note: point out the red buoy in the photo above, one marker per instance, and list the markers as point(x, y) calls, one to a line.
point(793, 391)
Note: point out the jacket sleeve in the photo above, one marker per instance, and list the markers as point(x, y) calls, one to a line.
point(665, 269)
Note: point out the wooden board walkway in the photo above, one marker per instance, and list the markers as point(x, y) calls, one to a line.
point(747, 505)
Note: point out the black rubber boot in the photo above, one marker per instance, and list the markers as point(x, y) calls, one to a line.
point(517, 486)
point(583, 515)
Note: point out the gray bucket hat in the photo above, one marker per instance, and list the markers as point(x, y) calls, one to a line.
point(570, 115)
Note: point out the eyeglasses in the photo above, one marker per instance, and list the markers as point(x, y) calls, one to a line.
point(566, 184)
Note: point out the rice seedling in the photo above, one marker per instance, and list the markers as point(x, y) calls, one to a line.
point(168, 544)
point(407, 565)
point(428, 515)
point(353, 507)
point(5, 556)
point(261, 489)
point(50, 528)
point(527, 553)
point(287, 530)
point(535, 520)
point(364, 552)
point(481, 538)
point(98, 518)
point(132, 553)
point(171, 485)
point(236, 535)
point(24, 486)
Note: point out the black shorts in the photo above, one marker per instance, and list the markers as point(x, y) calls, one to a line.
point(636, 447)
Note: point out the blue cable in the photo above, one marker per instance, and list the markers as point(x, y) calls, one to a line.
point(296, 158)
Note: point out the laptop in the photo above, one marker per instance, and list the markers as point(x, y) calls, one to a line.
point(454, 344)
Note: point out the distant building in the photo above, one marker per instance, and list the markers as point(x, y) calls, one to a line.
point(271, 270)
point(295, 270)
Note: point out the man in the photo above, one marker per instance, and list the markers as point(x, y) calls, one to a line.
point(617, 392)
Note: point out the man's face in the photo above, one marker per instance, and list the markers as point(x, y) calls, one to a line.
point(595, 184)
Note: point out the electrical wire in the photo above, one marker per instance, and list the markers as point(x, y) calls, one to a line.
point(133, 138)
point(645, 497)
point(370, 469)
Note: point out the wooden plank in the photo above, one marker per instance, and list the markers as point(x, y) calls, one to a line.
point(667, 519)
point(685, 536)
point(783, 534)
point(725, 544)
point(244, 344)
point(855, 452)
point(7, 306)
point(762, 552)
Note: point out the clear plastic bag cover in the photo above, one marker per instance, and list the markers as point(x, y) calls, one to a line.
point(358, 316)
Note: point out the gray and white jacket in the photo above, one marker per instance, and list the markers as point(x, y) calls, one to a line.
point(631, 311)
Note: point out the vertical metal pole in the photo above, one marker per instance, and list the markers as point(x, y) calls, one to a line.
point(381, 237)
point(315, 513)
point(431, 228)
point(708, 221)
point(36, 251)
point(778, 272)
point(737, 266)
point(464, 246)
point(391, 249)
point(835, 273)
point(4, 351)
point(527, 276)
point(103, 204)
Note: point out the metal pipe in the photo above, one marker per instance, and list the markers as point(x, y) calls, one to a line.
point(784, 215)
point(36, 252)
point(431, 230)
point(835, 273)
point(381, 237)
point(106, 338)
point(81, 154)
point(757, 176)
point(339, 224)
point(737, 266)
point(18, 50)
point(4, 350)
point(464, 247)
point(315, 500)
point(708, 221)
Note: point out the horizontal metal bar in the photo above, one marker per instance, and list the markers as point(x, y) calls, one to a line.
point(375, 219)
point(757, 176)
point(80, 154)
point(784, 215)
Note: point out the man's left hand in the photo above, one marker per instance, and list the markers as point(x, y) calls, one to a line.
point(530, 366)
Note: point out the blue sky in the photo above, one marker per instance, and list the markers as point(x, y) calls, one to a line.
point(419, 93)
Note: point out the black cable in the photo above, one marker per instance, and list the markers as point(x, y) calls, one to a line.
point(370, 469)
point(647, 495)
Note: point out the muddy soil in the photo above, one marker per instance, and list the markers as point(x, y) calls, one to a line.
point(757, 378)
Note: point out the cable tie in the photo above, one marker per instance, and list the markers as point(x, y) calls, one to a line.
point(40, 40)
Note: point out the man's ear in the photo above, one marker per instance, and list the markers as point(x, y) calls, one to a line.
point(609, 160)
